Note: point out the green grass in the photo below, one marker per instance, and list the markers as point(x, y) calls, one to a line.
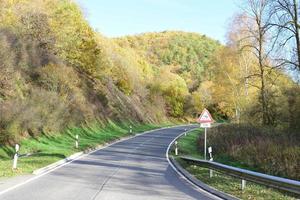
point(188, 147)
point(51, 148)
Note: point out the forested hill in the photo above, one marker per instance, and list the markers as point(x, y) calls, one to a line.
point(189, 54)
point(178, 62)
point(56, 72)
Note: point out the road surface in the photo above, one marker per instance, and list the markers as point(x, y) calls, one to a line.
point(133, 169)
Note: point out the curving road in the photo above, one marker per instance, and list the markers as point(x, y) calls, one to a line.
point(132, 169)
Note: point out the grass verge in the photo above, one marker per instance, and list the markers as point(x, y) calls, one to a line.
point(48, 149)
point(188, 146)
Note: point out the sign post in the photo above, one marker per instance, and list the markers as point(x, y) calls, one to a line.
point(205, 121)
point(205, 143)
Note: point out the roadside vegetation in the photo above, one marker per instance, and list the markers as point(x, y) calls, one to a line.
point(47, 149)
point(189, 146)
point(271, 151)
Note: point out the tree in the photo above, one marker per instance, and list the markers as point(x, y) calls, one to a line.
point(259, 42)
point(174, 90)
point(76, 42)
point(229, 83)
point(286, 20)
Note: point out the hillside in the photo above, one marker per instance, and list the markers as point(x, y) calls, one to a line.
point(56, 72)
point(188, 54)
point(179, 61)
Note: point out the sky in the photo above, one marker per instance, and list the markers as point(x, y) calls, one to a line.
point(114, 18)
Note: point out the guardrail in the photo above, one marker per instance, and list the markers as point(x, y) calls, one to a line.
point(260, 178)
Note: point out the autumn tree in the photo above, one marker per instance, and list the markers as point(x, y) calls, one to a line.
point(174, 91)
point(259, 43)
point(229, 83)
point(232, 66)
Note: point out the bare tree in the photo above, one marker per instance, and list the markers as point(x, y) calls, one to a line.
point(286, 20)
point(261, 43)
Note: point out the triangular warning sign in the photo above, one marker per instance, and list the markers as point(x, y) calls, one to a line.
point(205, 117)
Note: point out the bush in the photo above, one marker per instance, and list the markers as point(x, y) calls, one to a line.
point(42, 111)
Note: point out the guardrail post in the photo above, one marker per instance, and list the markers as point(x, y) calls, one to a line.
point(130, 129)
point(211, 173)
point(285, 184)
point(76, 141)
point(176, 149)
point(243, 184)
point(15, 162)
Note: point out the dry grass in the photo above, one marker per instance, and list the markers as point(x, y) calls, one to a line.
point(266, 150)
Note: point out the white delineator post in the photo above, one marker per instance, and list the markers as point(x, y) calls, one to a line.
point(176, 149)
point(210, 159)
point(76, 141)
point(15, 162)
point(243, 184)
point(130, 131)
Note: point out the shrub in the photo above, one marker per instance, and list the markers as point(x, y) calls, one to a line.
point(42, 111)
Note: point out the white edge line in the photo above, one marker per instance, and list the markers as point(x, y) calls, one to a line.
point(70, 161)
point(179, 173)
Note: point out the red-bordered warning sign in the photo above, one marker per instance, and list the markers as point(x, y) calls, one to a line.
point(205, 117)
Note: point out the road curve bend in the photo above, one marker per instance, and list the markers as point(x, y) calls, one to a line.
point(132, 169)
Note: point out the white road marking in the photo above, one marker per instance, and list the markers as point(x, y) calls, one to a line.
point(180, 174)
point(47, 172)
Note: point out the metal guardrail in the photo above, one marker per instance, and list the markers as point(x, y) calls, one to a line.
point(260, 178)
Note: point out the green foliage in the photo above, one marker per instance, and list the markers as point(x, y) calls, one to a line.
point(185, 55)
point(191, 52)
point(75, 40)
point(174, 89)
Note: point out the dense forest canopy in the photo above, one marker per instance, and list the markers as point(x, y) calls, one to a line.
point(188, 53)
point(57, 72)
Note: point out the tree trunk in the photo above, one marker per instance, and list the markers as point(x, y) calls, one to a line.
point(264, 105)
point(263, 100)
point(297, 33)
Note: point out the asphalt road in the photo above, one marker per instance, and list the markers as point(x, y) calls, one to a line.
point(134, 169)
